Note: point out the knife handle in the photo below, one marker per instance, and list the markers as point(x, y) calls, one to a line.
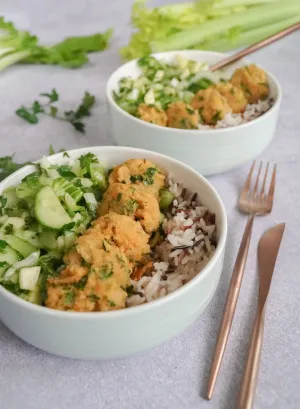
point(230, 305)
point(247, 393)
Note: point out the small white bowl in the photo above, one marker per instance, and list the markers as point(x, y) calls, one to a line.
point(105, 335)
point(207, 151)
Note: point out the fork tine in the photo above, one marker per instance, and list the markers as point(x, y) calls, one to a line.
point(257, 179)
point(262, 192)
point(247, 184)
point(272, 186)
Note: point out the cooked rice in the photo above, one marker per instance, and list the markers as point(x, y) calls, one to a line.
point(190, 240)
point(252, 111)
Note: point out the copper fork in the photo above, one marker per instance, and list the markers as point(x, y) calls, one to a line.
point(253, 201)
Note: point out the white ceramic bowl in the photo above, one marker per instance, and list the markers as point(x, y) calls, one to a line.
point(104, 335)
point(207, 151)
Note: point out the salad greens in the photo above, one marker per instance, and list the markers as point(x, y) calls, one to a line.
point(21, 46)
point(162, 83)
point(74, 117)
point(210, 25)
point(41, 218)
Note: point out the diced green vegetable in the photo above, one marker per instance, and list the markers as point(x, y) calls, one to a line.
point(21, 246)
point(28, 277)
point(8, 257)
point(165, 199)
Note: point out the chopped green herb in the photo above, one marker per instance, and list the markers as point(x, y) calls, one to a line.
point(66, 155)
point(51, 150)
point(105, 245)
point(65, 171)
point(119, 197)
point(217, 116)
point(130, 207)
point(232, 91)
point(3, 201)
point(3, 264)
point(69, 298)
point(136, 178)
point(86, 160)
point(30, 114)
point(246, 89)
point(93, 297)
point(9, 228)
point(111, 303)
point(120, 259)
point(264, 84)
point(68, 227)
point(190, 111)
point(148, 176)
point(105, 272)
point(81, 283)
point(3, 245)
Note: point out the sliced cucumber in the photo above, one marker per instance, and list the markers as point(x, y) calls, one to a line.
point(8, 257)
point(20, 245)
point(28, 277)
point(30, 236)
point(98, 176)
point(49, 211)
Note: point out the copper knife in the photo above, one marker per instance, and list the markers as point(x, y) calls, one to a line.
point(268, 249)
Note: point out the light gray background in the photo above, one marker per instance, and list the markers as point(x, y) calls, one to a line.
point(171, 376)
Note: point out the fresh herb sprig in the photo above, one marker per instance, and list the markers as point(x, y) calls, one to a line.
point(75, 118)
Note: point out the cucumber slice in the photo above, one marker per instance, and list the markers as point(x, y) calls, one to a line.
point(98, 176)
point(30, 236)
point(21, 246)
point(49, 211)
point(8, 257)
point(28, 277)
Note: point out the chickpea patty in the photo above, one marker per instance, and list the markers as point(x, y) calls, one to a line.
point(211, 104)
point(181, 115)
point(253, 81)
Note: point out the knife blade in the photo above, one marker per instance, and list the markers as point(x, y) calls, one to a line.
point(268, 248)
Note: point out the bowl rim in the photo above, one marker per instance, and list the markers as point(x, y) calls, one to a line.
point(149, 305)
point(198, 132)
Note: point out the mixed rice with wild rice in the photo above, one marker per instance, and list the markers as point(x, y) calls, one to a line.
point(190, 241)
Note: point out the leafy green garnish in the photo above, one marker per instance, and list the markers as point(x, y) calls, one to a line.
point(68, 227)
point(3, 264)
point(21, 46)
point(148, 176)
point(30, 114)
point(65, 171)
point(136, 178)
point(3, 201)
point(9, 228)
point(82, 282)
point(105, 272)
point(69, 298)
point(93, 297)
point(111, 303)
point(216, 117)
point(202, 83)
point(3, 245)
point(86, 160)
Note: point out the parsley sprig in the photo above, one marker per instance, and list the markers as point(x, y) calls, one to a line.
point(74, 117)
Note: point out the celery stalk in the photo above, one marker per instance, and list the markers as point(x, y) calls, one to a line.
point(253, 17)
point(248, 37)
point(12, 58)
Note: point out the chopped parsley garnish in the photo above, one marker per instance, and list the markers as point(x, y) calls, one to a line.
point(105, 272)
point(232, 91)
point(129, 290)
point(3, 264)
point(93, 297)
point(190, 110)
point(66, 155)
point(130, 207)
point(217, 116)
point(65, 171)
point(120, 259)
point(9, 228)
point(68, 227)
point(69, 298)
point(136, 178)
point(81, 283)
point(119, 197)
point(148, 176)
point(246, 89)
point(111, 303)
point(105, 245)
point(3, 245)
point(3, 202)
